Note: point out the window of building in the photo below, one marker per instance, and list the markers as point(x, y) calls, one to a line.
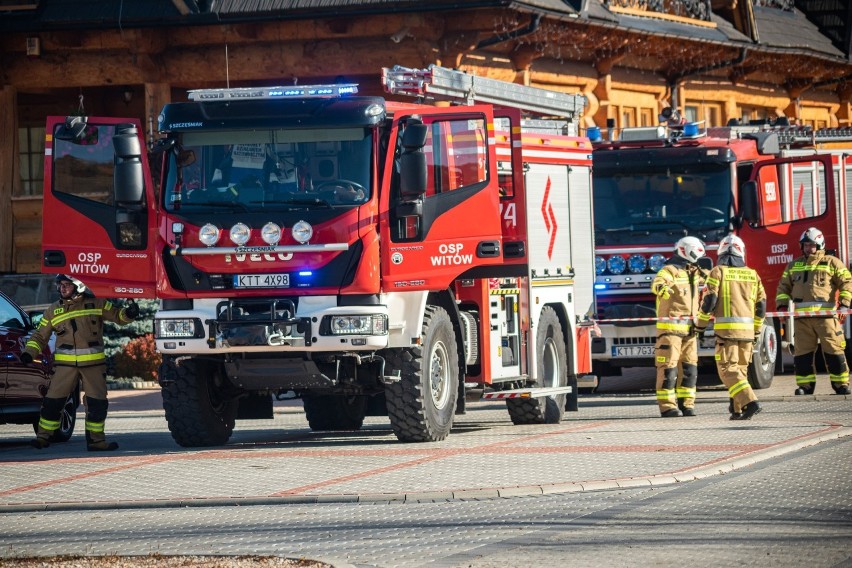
point(31, 152)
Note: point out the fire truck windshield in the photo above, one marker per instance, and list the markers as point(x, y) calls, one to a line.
point(659, 203)
point(269, 169)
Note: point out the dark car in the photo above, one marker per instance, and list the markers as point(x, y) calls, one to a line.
point(22, 387)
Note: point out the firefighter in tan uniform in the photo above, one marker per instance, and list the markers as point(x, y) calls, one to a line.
point(735, 297)
point(813, 282)
point(77, 319)
point(676, 286)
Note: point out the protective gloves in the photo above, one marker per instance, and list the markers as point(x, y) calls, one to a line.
point(26, 358)
point(132, 310)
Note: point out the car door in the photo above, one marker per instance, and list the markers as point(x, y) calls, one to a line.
point(24, 386)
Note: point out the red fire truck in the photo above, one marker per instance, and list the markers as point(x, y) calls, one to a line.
point(654, 185)
point(365, 255)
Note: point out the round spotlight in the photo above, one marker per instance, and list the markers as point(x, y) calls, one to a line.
point(271, 234)
point(240, 234)
point(600, 265)
point(302, 232)
point(637, 264)
point(209, 234)
point(616, 264)
point(656, 262)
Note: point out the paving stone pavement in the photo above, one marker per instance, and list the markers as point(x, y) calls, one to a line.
point(614, 441)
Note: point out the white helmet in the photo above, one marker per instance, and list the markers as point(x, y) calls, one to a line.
point(81, 288)
point(690, 249)
point(732, 245)
point(813, 235)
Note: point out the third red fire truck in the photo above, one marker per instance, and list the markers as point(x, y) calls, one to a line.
point(654, 185)
point(365, 255)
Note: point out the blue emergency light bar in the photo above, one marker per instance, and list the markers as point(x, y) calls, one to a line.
point(290, 92)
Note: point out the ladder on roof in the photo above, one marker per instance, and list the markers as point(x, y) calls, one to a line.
point(441, 83)
point(798, 135)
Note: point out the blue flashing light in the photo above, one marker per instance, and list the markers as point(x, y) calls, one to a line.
point(306, 273)
point(594, 133)
point(690, 130)
point(600, 286)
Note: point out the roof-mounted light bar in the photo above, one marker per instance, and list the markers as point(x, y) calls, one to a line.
point(289, 92)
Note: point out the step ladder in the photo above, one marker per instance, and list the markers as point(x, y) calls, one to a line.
point(439, 83)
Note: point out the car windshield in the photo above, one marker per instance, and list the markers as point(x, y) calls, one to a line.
point(10, 316)
point(270, 169)
point(661, 203)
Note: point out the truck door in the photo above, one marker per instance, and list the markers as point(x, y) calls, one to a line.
point(802, 188)
point(99, 207)
point(443, 201)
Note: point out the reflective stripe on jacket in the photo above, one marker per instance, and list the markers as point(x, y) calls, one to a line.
point(78, 324)
point(816, 282)
point(735, 297)
point(681, 300)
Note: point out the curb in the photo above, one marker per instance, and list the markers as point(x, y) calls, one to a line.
point(479, 494)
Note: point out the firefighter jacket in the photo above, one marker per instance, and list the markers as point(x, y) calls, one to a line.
point(676, 287)
point(734, 295)
point(811, 282)
point(78, 323)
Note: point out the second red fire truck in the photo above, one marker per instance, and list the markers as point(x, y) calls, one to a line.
point(365, 255)
point(653, 185)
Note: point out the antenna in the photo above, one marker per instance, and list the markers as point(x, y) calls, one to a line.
point(227, 72)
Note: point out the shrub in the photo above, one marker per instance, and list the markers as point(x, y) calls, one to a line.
point(139, 358)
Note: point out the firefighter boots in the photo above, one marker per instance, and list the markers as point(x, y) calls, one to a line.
point(749, 410)
point(102, 446)
point(671, 413)
point(687, 411)
point(40, 443)
point(843, 389)
point(805, 390)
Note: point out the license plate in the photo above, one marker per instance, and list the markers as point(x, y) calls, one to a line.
point(632, 351)
point(261, 280)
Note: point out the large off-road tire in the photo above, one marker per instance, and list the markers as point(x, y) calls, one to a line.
point(761, 370)
point(67, 418)
point(196, 411)
point(552, 372)
point(328, 412)
point(421, 405)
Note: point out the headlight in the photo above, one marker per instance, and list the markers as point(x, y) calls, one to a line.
point(656, 262)
point(369, 324)
point(600, 265)
point(302, 232)
point(271, 234)
point(616, 264)
point(240, 234)
point(209, 234)
point(175, 328)
point(637, 264)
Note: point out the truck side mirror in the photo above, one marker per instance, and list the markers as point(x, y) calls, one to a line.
point(749, 209)
point(412, 162)
point(73, 129)
point(128, 179)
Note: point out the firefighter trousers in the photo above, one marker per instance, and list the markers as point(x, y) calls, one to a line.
point(828, 333)
point(62, 383)
point(732, 360)
point(676, 389)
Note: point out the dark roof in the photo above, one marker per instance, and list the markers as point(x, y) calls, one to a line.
point(792, 31)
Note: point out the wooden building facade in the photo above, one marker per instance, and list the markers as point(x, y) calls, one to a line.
point(716, 60)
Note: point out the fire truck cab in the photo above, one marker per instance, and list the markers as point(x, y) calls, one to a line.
point(364, 255)
point(654, 185)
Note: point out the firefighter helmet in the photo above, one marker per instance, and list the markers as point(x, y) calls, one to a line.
point(732, 245)
point(813, 235)
point(80, 287)
point(690, 249)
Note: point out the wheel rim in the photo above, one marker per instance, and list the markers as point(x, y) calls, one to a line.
point(439, 375)
point(550, 364)
point(766, 353)
point(66, 417)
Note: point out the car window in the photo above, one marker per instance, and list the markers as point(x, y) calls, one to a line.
point(9, 315)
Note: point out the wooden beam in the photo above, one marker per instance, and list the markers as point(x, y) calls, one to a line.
point(9, 172)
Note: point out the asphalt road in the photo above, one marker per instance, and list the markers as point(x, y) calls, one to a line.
point(612, 485)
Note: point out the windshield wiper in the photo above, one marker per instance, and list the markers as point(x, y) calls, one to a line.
point(220, 204)
point(300, 202)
